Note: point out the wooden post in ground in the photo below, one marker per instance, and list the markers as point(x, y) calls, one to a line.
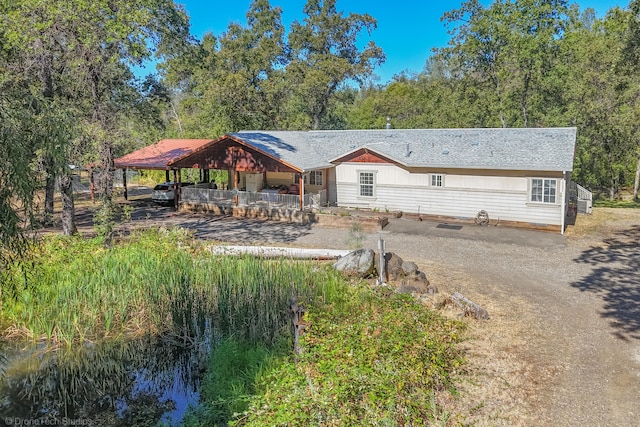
point(299, 325)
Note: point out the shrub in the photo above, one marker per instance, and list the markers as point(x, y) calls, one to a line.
point(369, 359)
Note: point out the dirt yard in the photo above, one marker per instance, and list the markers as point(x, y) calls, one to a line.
point(562, 345)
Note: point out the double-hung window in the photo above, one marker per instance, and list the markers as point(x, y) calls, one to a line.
point(544, 190)
point(366, 183)
point(313, 178)
point(437, 180)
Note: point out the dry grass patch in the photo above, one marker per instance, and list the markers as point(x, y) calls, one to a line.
point(603, 222)
point(501, 384)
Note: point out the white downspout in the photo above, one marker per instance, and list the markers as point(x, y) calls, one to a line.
point(563, 213)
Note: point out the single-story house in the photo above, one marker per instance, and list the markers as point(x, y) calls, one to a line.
point(518, 175)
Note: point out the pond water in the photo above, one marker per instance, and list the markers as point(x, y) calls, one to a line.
point(119, 382)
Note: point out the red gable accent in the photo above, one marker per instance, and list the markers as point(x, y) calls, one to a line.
point(364, 156)
point(229, 153)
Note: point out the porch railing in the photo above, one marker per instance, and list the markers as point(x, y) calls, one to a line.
point(247, 198)
point(583, 198)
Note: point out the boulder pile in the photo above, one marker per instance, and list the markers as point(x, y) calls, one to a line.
point(403, 275)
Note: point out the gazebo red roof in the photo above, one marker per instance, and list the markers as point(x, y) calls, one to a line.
point(162, 154)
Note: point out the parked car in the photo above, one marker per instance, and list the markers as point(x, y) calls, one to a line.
point(164, 194)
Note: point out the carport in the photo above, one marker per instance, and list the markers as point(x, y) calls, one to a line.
point(160, 156)
point(225, 153)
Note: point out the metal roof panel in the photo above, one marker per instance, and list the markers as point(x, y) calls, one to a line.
point(161, 154)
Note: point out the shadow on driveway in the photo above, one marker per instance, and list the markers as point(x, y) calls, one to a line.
point(616, 279)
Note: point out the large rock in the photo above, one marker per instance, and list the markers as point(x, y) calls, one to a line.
point(409, 268)
point(417, 283)
point(394, 266)
point(357, 263)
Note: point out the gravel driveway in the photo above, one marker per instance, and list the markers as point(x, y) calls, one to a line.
point(562, 347)
point(573, 311)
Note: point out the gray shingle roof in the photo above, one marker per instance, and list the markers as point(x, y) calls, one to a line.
point(521, 149)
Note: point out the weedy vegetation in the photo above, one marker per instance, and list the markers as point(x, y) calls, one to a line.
point(356, 235)
point(369, 356)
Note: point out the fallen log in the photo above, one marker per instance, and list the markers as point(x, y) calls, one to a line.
point(469, 307)
point(280, 252)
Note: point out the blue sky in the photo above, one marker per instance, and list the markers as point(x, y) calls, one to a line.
point(407, 29)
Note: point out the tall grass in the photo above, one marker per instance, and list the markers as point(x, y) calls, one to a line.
point(230, 382)
point(159, 281)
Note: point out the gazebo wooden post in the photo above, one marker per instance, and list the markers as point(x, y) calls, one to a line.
point(178, 192)
point(175, 189)
point(235, 185)
point(166, 175)
point(301, 190)
point(124, 183)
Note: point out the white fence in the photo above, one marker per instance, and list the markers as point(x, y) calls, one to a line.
point(269, 199)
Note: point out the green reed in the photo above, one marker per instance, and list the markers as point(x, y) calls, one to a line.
point(156, 281)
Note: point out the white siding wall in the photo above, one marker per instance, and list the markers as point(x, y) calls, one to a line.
point(332, 191)
point(462, 196)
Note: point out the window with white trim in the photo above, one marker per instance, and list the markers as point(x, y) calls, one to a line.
point(366, 182)
point(313, 178)
point(437, 180)
point(544, 190)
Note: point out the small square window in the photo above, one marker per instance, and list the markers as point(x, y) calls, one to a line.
point(437, 180)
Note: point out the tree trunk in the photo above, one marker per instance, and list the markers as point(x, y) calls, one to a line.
point(503, 120)
point(636, 183)
point(174, 112)
point(49, 193)
point(525, 93)
point(613, 187)
point(106, 178)
point(68, 206)
point(316, 121)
